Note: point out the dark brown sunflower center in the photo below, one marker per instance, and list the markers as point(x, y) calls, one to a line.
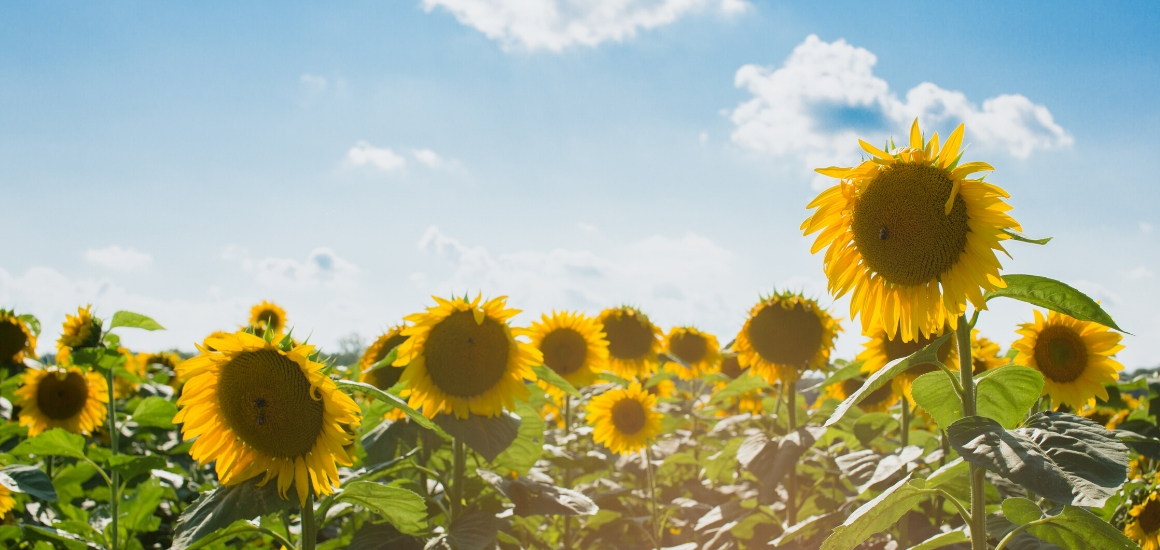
point(786, 336)
point(564, 350)
point(689, 347)
point(1060, 353)
point(901, 227)
point(12, 340)
point(897, 349)
point(386, 377)
point(731, 367)
point(271, 319)
point(1099, 417)
point(266, 400)
point(629, 336)
point(628, 415)
point(465, 358)
point(875, 397)
point(59, 398)
point(1149, 517)
point(979, 365)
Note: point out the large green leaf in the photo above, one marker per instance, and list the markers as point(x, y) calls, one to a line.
point(31, 480)
point(925, 356)
point(877, 515)
point(137, 509)
point(936, 394)
point(56, 537)
point(1053, 295)
point(949, 471)
point(1075, 529)
point(487, 435)
point(550, 376)
point(225, 505)
point(739, 386)
point(54, 442)
point(387, 398)
point(133, 320)
point(871, 426)
point(404, 509)
point(474, 531)
point(942, 539)
point(523, 453)
point(534, 498)
point(383, 536)
point(848, 371)
point(1007, 393)
point(1020, 510)
point(131, 466)
point(32, 322)
point(155, 412)
point(771, 459)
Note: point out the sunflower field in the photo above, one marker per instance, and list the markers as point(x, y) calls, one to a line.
point(458, 429)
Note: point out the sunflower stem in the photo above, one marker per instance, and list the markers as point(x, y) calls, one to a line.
point(652, 496)
point(789, 389)
point(978, 497)
point(904, 438)
point(309, 530)
point(458, 477)
point(115, 482)
point(567, 534)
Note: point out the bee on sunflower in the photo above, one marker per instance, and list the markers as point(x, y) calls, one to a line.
point(461, 357)
point(624, 419)
point(17, 339)
point(385, 377)
point(67, 398)
point(697, 349)
point(910, 236)
point(254, 407)
point(267, 316)
point(1144, 523)
point(785, 335)
point(1075, 357)
point(881, 349)
point(633, 342)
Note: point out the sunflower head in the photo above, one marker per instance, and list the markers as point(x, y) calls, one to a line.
point(67, 398)
point(461, 357)
point(731, 366)
point(879, 400)
point(1144, 523)
point(253, 408)
point(696, 349)
point(573, 345)
point(385, 377)
point(623, 419)
point(985, 354)
point(911, 235)
point(17, 338)
point(267, 316)
point(880, 350)
point(81, 330)
point(785, 335)
point(1075, 357)
point(633, 342)
point(7, 503)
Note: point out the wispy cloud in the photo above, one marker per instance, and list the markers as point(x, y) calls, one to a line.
point(120, 259)
point(380, 158)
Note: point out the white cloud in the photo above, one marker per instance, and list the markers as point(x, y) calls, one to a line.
point(1141, 272)
point(314, 83)
point(382, 158)
point(427, 157)
point(120, 259)
point(321, 269)
point(555, 25)
point(826, 96)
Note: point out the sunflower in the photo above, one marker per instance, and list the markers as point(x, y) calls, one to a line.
point(268, 315)
point(663, 389)
point(699, 350)
point(880, 350)
point(633, 342)
point(7, 503)
point(461, 357)
point(123, 387)
point(985, 354)
point(1074, 356)
point(1107, 417)
point(623, 419)
point(785, 335)
point(16, 338)
point(1144, 525)
point(80, 331)
point(573, 345)
point(910, 235)
point(385, 377)
point(66, 398)
point(749, 402)
point(879, 400)
point(256, 408)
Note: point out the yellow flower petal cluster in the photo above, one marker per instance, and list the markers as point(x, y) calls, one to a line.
point(573, 346)
point(880, 350)
point(1074, 356)
point(16, 339)
point(697, 349)
point(633, 342)
point(784, 336)
point(268, 316)
point(67, 398)
point(624, 419)
point(985, 354)
point(80, 331)
point(7, 503)
point(1144, 523)
point(383, 378)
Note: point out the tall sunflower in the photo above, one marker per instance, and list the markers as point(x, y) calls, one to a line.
point(623, 419)
point(573, 345)
point(633, 342)
point(985, 354)
point(66, 398)
point(699, 350)
point(880, 350)
point(461, 357)
point(910, 235)
point(1074, 356)
point(785, 335)
point(256, 408)
point(1144, 523)
point(383, 378)
point(268, 315)
point(81, 330)
point(16, 338)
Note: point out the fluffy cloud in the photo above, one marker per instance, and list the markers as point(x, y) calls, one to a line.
point(558, 24)
point(382, 158)
point(826, 95)
point(120, 259)
point(321, 269)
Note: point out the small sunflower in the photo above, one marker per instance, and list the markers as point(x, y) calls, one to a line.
point(7, 503)
point(985, 354)
point(66, 398)
point(910, 235)
point(623, 419)
point(268, 315)
point(383, 378)
point(1107, 417)
point(663, 389)
point(255, 408)
point(1144, 525)
point(785, 335)
point(573, 346)
point(879, 400)
point(633, 342)
point(16, 338)
point(880, 350)
point(80, 331)
point(699, 350)
point(167, 360)
point(461, 357)
point(1074, 356)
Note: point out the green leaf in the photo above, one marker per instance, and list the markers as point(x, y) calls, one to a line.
point(404, 509)
point(487, 435)
point(936, 394)
point(382, 536)
point(739, 386)
point(925, 356)
point(807, 528)
point(387, 398)
point(474, 531)
point(131, 466)
point(54, 442)
point(155, 412)
point(534, 498)
point(548, 375)
point(55, 537)
point(529, 444)
point(951, 470)
point(771, 459)
point(1021, 511)
point(30, 480)
point(137, 510)
point(1053, 295)
point(848, 371)
point(877, 515)
point(129, 319)
point(871, 426)
point(1017, 236)
point(32, 322)
point(942, 539)
point(1078, 529)
point(1007, 393)
point(223, 506)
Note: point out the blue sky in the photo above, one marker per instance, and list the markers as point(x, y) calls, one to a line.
point(188, 160)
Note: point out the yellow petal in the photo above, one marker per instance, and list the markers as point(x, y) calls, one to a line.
point(875, 151)
point(951, 149)
point(915, 135)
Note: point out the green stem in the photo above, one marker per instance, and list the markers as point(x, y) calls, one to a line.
point(1015, 531)
point(652, 497)
point(309, 531)
point(115, 482)
point(954, 501)
point(458, 477)
point(978, 497)
point(789, 387)
point(240, 529)
point(567, 534)
point(904, 525)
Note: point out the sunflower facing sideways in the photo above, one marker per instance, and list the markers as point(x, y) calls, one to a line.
point(573, 346)
point(880, 350)
point(461, 357)
point(910, 235)
point(699, 350)
point(81, 330)
point(16, 338)
point(633, 342)
point(66, 398)
point(255, 408)
point(385, 377)
point(1075, 357)
point(1144, 523)
point(785, 335)
point(268, 315)
point(623, 419)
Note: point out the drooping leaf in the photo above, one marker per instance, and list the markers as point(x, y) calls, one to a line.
point(1017, 236)
point(925, 356)
point(31, 480)
point(487, 435)
point(1007, 393)
point(550, 376)
point(1053, 295)
point(387, 398)
point(877, 515)
point(155, 412)
point(474, 531)
point(54, 442)
point(890, 465)
point(402, 508)
point(129, 319)
point(936, 394)
point(523, 453)
point(223, 506)
point(534, 498)
point(1078, 529)
point(739, 386)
